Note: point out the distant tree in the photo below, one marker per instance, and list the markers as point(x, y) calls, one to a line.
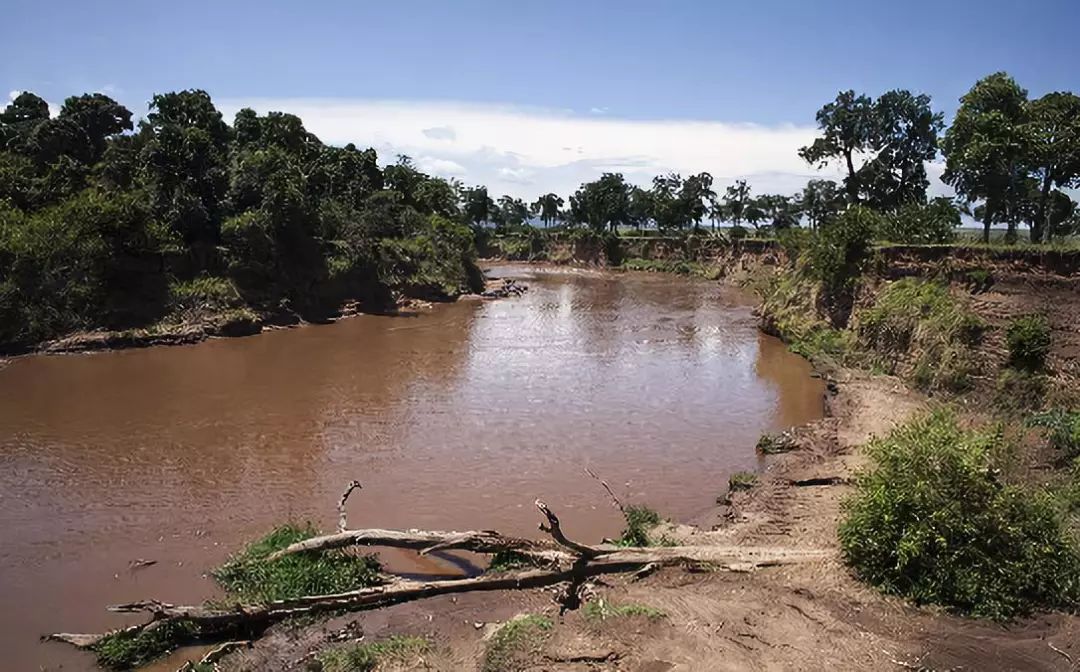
point(512, 211)
point(547, 208)
point(641, 206)
point(736, 198)
point(985, 149)
point(694, 198)
point(897, 134)
point(22, 114)
point(664, 201)
point(478, 206)
point(99, 116)
point(922, 223)
point(1053, 133)
point(782, 212)
point(603, 203)
point(820, 201)
point(754, 214)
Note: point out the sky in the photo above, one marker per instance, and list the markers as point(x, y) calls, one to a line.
point(530, 97)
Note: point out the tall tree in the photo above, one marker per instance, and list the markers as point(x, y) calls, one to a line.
point(547, 208)
point(736, 198)
point(99, 116)
point(603, 203)
point(477, 206)
point(985, 148)
point(512, 211)
point(820, 201)
point(847, 128)
point(1053, 134)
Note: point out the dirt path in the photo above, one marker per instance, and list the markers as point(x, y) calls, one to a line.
point(798, 617)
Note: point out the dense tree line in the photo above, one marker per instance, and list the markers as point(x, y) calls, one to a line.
point(105, 224)
point(1007, 157)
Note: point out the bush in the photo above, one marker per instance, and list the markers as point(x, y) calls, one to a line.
point(251, 577)
point(1062, 430)
point(921, 223)
point(741, 480)
point(639, 522)
point(1028, 340)
point(838, 252)
point(933, 521)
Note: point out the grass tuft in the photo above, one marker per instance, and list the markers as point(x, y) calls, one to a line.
point(250, 577)
point(367, 656)
point(128, 650)
point(515, 645)
point(640, 520)
point(602, 610)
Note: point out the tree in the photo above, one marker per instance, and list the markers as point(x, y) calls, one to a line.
point(694, 198)
point(848, 128)
point(985, 149)
point(21, 115)
point(1053, 133)
point(547, 208)
point(512, 212)
point(820, 201)
point(603, 203)
point(100, 118)
point(736, 199)
point(478, 206)
point(897, 133)
point(781, 211)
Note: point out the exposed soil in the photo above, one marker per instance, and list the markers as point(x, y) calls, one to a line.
point(806, 616)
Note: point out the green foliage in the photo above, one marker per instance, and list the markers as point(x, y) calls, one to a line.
point(921, 223)
point(514, 646)
point(366, 657)
point(933, 521)
point(772, 444)
point(838, 253)
point(677, 266)
point(741, 480)
point(126, 650)
point(1028, 340)
point(506, 561)
point(918, 318)
point(790, 311)
point(1019, 390)
point(640, 520)
point(252, 578)
point(600, 610)
point(1062, 430)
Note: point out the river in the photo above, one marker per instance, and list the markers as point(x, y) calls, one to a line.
point(454, 418)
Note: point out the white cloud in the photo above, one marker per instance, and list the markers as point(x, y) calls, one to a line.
point(528, 151)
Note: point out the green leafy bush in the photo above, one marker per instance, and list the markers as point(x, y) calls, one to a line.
point(640, 520)
point(127, 650)
point(837, 254)
point(1062, 429)
point(1028, 340)
point(253, 578)
point(932, 520)
point(921, 223)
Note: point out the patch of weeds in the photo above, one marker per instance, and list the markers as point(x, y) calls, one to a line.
point(640, 520)
point(789, 310)
point(772, 444)
point(1019, 390)
point(677, 266)
point(506, 561)
point(979, 279)
point(741, 480)
point(1062, 430)
point(129, 650)
point(515, 645)
point(252, 578)
point(918, 318)
point(1028, 340)
point(367, 656)
point(601, 610)
point(933, 520)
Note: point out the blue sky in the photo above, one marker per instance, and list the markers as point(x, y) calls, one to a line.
point(531, 96)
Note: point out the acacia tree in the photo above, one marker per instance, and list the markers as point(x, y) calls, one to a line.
point(893, 137)
point(820, 201)
point(985, 149)
point(1053, 135)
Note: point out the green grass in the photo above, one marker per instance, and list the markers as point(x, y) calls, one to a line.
point(741, 480)
point(250, 577)
point(677, 266)
point(600, 610)
point(921, 321)
point(933, 520)
point(366, 657)
point(515, 645)
point(1061, 429)
point(1028, 340)
point(507, 561)
point(772, 444)
point(126, 650)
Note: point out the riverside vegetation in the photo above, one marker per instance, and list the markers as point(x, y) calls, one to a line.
point(188, 218)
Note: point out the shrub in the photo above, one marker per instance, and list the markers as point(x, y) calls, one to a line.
point(124, 650)
point(741, 480)
point(837, 253)
point(921, 223)
point(1062, 430)
point(251, 577)
point(1019, 390)
point(639, 521)
point(1028, 340)
point(932, 520)
point(921, 318)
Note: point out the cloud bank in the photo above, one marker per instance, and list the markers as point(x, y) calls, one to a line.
point(528, 151)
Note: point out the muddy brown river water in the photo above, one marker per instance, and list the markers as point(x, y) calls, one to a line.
point(454, 418)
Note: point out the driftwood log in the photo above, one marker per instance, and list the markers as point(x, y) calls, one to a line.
point(564, 561)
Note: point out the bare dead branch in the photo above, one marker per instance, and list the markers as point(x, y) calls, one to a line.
point(353, 485)
point(610, 493)
point(555, 530)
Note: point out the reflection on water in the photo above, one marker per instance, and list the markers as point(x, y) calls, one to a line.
point(454, 419)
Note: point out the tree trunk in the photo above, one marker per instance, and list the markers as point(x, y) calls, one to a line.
point(852, 183)
point(1040, 226)
point(988, 220)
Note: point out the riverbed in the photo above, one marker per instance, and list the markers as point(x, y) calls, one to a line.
point(456, 417)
